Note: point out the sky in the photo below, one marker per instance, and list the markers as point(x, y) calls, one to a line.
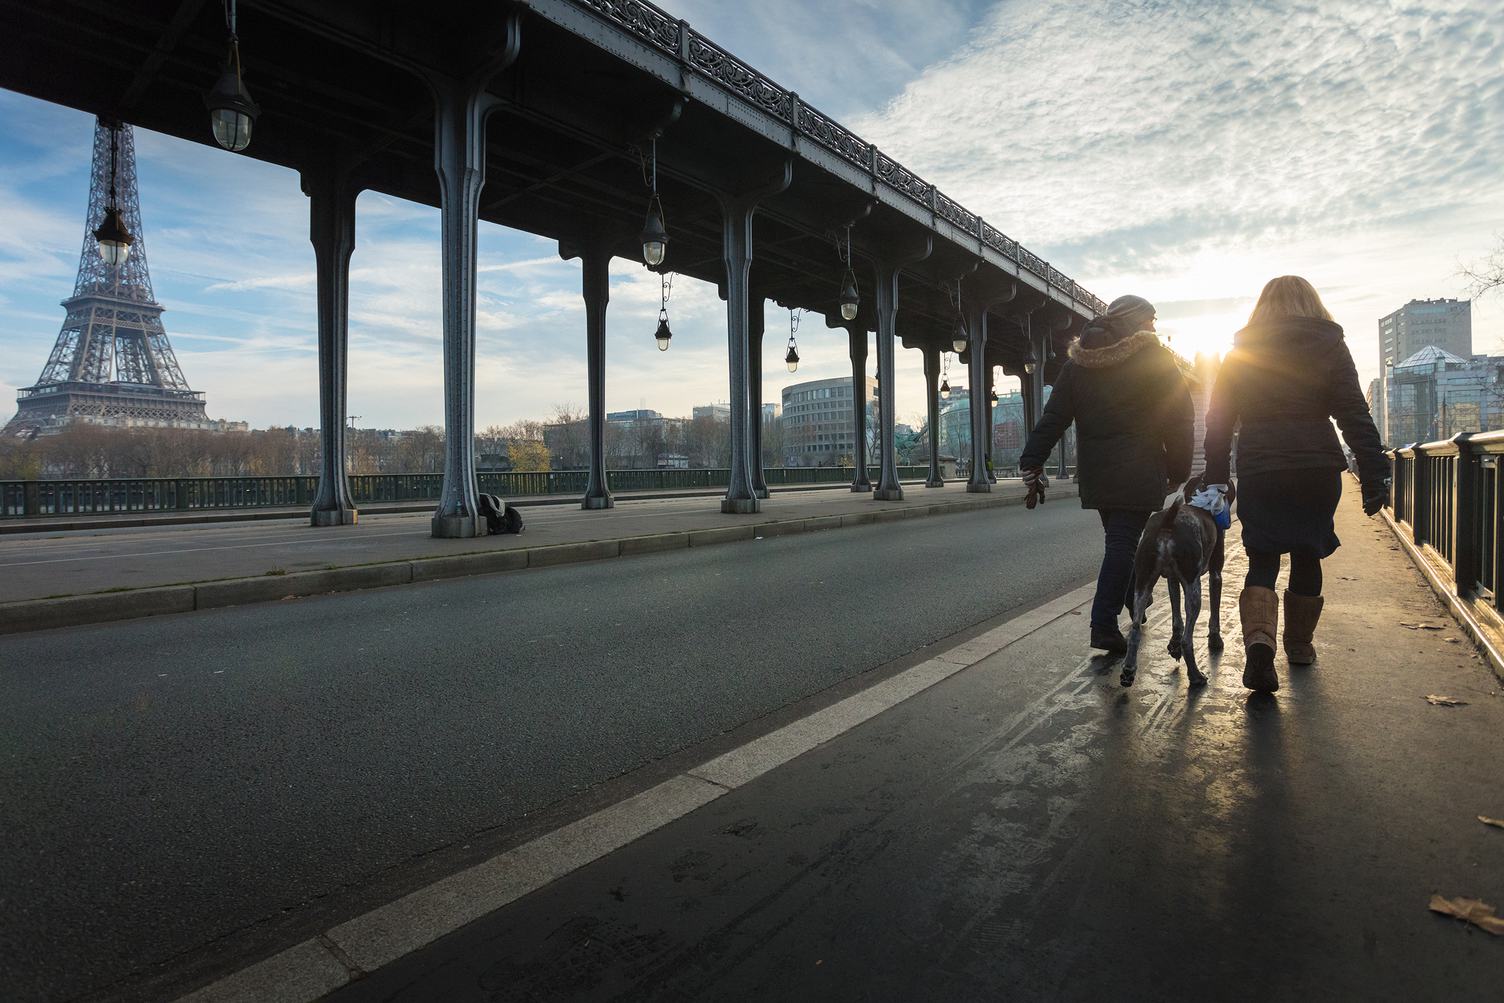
point(1184, 151)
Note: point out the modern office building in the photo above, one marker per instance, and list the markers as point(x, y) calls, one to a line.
point(1445, 323)
point(818, 430)
point(1435, 394)
point(718, 412)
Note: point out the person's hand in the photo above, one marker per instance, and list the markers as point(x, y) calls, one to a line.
point(1375, 497)
point(1037, 483)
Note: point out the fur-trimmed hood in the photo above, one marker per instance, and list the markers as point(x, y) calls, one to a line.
point(1113, 354)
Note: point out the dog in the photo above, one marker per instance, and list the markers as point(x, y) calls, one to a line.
point(1180, 544)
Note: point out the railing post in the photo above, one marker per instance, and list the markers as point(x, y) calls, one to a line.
point(1420, 494)
point(1466, 540)
point(31, 498)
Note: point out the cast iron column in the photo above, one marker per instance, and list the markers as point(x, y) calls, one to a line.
point(886, 297)
point(595, 283)
point(987, 411)
point(331, 218)
point(461, 107)
point(977, 480)
point(736, 232)
point(932, 400)
point(856, 336)
point(756, 321)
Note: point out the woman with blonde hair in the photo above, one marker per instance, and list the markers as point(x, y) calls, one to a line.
point(1289, 373)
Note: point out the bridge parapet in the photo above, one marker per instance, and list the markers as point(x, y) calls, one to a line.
point(1446, 505)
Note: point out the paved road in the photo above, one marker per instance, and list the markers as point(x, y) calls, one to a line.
point(253, 772)
point(1028, 830)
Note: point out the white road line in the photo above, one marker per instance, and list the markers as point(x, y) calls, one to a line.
point(308, 970)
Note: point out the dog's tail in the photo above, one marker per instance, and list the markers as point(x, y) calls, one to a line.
point(1167, 524)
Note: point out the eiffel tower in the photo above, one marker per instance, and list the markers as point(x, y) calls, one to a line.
point(112, 363)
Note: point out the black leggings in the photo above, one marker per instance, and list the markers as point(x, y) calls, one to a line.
point(1305, 572)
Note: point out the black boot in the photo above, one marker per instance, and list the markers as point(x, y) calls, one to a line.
point(1110, 640)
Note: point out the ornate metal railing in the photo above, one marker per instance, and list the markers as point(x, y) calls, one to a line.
point(699, 54)
point(124, 495)
point(1448, 497)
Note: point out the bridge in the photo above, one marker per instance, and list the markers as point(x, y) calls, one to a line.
point(575, 120)
point(797, 745)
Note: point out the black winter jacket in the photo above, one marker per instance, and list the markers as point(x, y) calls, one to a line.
point(1284, 382)
point(1134, 423)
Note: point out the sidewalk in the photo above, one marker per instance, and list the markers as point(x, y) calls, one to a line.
point(62, 579)
point(1024, 828)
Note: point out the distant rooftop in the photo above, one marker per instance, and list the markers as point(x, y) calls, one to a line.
point(1430, 356)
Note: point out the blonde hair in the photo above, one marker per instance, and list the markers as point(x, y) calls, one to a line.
point(1287, 296)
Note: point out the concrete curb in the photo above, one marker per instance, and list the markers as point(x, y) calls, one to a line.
point(1482, 633)
point(73, 611)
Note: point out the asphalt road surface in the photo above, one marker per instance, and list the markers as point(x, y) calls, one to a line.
point(249, 773)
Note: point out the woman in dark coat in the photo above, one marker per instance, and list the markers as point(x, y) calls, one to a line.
point(1288, 374)
point(1134, 422)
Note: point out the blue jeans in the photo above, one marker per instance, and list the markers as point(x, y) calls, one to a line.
point(1122, 529)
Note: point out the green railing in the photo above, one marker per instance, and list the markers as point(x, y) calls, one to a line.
point(20, 499)
point(1448, 497)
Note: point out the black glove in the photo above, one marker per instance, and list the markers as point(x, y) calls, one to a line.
point(1037, 483)
point(1375, 497)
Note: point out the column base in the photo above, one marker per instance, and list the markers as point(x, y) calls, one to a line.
point(975, 487)
point(888, 494)
point(457, 527)
point(862, 488)
point(333, 517)
point(597, 502)
point(760, 492)
point(740, 506)
point(936, 483)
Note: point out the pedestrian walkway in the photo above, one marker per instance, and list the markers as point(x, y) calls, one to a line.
point(294, 558)
point(1027, 829)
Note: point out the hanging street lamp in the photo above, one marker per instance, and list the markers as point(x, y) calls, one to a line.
point(791, 358)
point(654, 237)
point(992, 396)
point(959, 341)
point(849, 300)
point(114, 237)
point(663, 334)
point(1031, 361)
point(232, 113)
point(945, 389)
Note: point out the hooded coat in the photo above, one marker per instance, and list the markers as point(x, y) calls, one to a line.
point(1134, 420)
point(1284, 382)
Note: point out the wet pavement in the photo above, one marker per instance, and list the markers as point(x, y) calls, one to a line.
point(1027, 829)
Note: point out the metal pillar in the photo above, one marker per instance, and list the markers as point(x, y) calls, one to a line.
point(756, 322)
point(932, 400)
point(461, 107)
point(331, 229)
point(856, 337)
point(886, 297)
point(977, 480)
point(987, 411)
point(736, 232)
point(595, 283)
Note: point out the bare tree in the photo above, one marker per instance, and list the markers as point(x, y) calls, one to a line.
point(1486, 274)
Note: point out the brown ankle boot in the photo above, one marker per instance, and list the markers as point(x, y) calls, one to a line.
point(1260, 610)
point(1301, 616)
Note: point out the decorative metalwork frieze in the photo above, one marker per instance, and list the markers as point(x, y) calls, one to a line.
point(954, 212)
point(641, 19)
point(1033, 262)
point(833, 136)
point(903, 180)
point(736, 75)
point(999, 241)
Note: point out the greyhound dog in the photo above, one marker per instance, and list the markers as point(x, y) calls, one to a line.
point(1180, 544)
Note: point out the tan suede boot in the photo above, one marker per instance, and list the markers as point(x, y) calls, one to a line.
point(1260, 610)
point(1302, 613)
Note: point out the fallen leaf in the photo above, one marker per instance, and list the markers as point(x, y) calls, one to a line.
point(1474, 911)
point(1437, 700)
point(1497, 823)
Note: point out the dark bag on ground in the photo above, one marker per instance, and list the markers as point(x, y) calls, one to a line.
point(500, 517)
